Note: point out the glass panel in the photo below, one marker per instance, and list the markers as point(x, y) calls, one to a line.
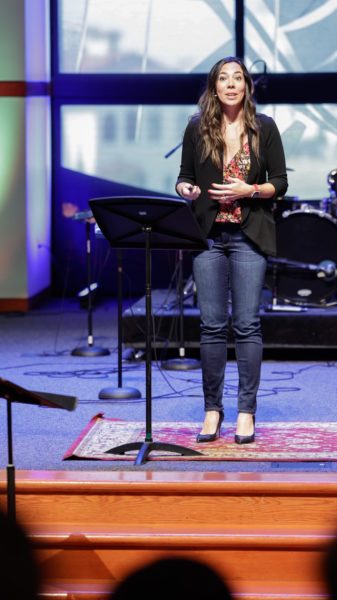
point(128, 144)
point(144, 36)
point(125, 144)
point(310, 142)
point(291, 36)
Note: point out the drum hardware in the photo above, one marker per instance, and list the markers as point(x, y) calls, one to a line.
point(325, 205)
point(332, 180)
point(326, 269)
point(332, 200)
point(275, 306)
point(304, 272)
point(284, 205)
point(309, 205)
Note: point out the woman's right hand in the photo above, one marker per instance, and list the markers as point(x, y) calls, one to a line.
point(188, 191)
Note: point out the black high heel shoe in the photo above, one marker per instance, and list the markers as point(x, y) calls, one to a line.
point(211, 437)
point(245, 439)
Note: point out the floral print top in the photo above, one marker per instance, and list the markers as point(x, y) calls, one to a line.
point(230, 212)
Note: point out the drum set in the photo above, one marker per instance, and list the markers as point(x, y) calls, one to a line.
point(304, 274)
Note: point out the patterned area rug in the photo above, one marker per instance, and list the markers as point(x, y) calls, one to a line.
point(298, 441)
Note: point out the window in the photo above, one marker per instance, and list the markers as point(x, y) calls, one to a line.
point(310, 143)
point(308, 133)
point(285, 34)
point(144, 36)
point(139, 153)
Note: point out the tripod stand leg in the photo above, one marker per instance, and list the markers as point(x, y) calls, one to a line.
point(175, 448)
point(146, 447)
point(144, 450)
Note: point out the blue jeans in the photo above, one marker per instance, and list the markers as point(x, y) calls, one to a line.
point(232, 268)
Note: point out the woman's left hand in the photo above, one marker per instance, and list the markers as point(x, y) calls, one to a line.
point(233, 190)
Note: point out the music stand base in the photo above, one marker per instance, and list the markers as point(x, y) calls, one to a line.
point(146, 447)
point(119, 393)
point(181, 364)
point(89, 351)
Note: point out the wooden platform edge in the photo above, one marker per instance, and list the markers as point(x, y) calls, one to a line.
point(89, 526)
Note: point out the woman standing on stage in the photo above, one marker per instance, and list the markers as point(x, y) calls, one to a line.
point(232, 167)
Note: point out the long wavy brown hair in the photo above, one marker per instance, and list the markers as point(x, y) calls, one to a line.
point(210, 115)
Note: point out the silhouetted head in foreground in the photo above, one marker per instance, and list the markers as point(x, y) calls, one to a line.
point(19, 576)
point(173, 578)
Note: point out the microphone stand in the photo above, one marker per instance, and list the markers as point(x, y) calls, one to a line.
point(90, 350)
point(182, 363)
point(120, 392)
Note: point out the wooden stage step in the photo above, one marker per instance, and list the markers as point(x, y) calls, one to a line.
point(266, 533)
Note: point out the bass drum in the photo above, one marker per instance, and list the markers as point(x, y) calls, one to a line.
point(310, 237)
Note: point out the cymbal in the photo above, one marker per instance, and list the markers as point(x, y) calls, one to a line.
point(289, 169)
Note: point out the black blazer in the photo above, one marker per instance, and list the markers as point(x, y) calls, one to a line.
point(257, 220)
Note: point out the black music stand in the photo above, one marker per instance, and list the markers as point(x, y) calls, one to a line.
point(150, 223)
point(14, 393)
